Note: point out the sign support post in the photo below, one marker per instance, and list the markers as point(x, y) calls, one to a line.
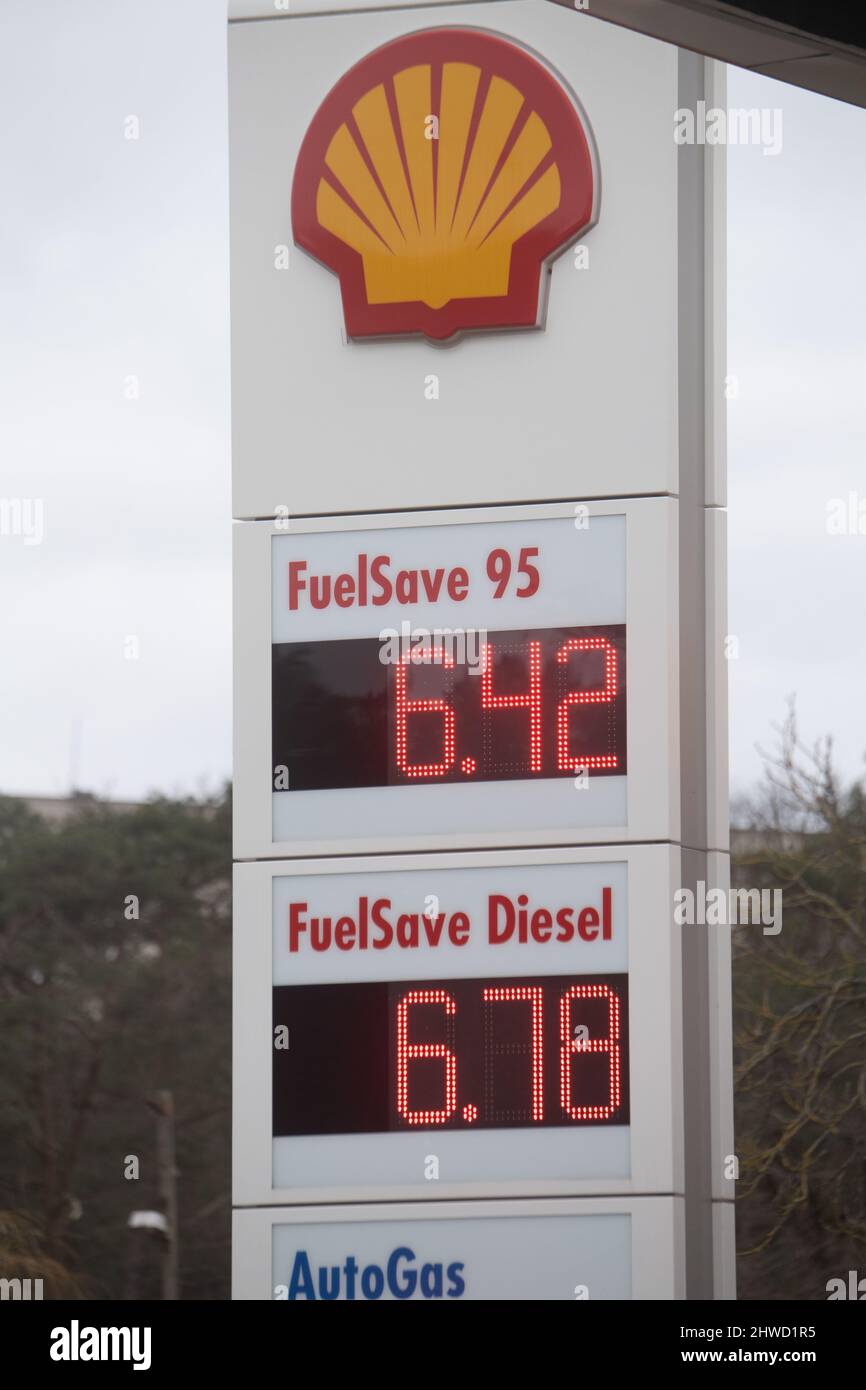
point(478, 420)
point(707, 1044)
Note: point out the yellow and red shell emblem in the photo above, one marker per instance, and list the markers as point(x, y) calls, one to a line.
point(438, 178)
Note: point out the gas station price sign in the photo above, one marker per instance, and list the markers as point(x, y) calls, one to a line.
point(495, 1053)
point(467, 1003)
point(542, 702)
point(510, 1012)
point(468, 679)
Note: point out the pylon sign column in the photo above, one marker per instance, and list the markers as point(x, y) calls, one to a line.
point(463, 292)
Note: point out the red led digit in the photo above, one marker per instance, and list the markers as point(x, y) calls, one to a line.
point(407, 1050)
point(403, 707)
point(534, 995)
point(569, 1046)
point(565, 761)
point(499, 570)
point(530, 701)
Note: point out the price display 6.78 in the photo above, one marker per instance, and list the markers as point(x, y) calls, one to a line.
point(495, 1053)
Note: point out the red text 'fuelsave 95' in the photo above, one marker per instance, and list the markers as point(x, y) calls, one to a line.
point(373, 581)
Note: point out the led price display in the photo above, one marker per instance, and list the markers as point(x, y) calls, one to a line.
point(526, 703)
point(451, 1054)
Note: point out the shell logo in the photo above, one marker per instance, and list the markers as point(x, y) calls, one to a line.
point(438, 179)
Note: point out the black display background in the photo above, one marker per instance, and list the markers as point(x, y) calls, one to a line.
point(333, 726)
point(338, 1074)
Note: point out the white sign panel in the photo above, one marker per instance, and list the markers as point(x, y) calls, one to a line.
point(482, 1024)
point(585, 405)
point(505, 676)
point(528, 1251)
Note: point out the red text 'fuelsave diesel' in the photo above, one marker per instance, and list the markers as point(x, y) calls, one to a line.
point(374, 925)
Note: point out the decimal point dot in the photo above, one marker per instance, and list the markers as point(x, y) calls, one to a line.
point(470, 1113)
point(468, 766)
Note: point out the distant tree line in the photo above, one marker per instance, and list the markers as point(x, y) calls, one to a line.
point(115, 986)
point(800, 1032)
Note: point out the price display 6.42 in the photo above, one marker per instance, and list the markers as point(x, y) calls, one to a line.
point(467, 680)
point(539, 703)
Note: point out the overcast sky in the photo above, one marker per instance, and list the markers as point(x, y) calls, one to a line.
point(113, 264)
